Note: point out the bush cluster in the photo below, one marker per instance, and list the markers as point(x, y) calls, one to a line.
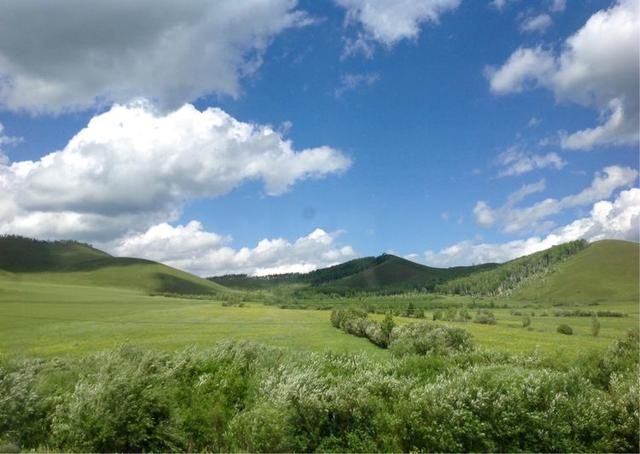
point(249, 397)
point(428, 339)
point(413, 338)
point(452, 315)
point(357, 323)
point(565, 329)
point(583, 313)
point(484, 317)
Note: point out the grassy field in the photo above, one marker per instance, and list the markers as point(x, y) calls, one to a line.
point(45, 319)
point(40, 318)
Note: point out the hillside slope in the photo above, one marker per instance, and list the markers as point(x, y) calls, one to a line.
point(389, 272)
point(385, 273)
point(69, 262)
point(607, 270)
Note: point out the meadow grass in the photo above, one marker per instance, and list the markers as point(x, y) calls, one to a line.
point(45, 319)
point(39, 318)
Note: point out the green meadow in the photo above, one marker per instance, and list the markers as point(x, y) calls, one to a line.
point(45, 319)
point(42, 318)
point(103, 354)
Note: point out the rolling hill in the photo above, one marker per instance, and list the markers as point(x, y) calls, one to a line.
point(70, 262)
point(385, 273)
point(606, 270)
point(392, 273)
point(574, 271)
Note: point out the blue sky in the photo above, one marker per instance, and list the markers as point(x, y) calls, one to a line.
point(452, 131)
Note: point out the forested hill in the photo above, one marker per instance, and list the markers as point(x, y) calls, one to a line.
point(503, 279)
point(386, 273)
point(71, 262)
point(389, 273)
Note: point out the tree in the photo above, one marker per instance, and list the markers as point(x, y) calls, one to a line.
point(595, 325)
point(387, 326)
point(410, 311)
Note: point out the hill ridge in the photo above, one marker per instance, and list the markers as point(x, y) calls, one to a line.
point(75, 262)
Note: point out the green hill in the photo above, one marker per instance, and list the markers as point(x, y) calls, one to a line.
point(391, 273)
point(384, 274)
point(70, 262)
point(607, 270)
point(507, 277)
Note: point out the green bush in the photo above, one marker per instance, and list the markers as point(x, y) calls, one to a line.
point(595, 325)
point(485, 317)
point(565, 329)
point(240, 396)
point(426, 339)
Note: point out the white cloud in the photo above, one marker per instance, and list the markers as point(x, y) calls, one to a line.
point(131, 168)
point(525, 68)
point(538, 23)
point(598, 67)
point(7, 140)
point(529, 218)
point(615, 130)
point(558, 6)
point(619, 219)
point(350, 82)
point(56, 57)
point(388, 22)
point(516, 162)
point(190, 247)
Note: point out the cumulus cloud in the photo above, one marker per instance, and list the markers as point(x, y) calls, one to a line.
point(515, 161)
point(597, 67)
point(524, 69)
point(619, 219)
point(190, 247)
point(539, 23)
point(55, 58)
point(390, 22)
point(516, 219)
point(557, 6)
point(132, 167)
point(351, 81)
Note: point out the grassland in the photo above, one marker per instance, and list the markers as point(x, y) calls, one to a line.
point(39, 318)
point(94, 357)
point(605, 271)
point(46, 319)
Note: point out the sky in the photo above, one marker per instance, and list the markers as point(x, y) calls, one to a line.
point(270, 136)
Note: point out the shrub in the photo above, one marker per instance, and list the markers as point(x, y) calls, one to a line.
point(485, 317)
point(595, 326)
point(426, 339)
point(565, 329)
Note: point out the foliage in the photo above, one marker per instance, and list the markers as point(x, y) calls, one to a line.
point(249, 397)
point(595, 326)
point(428, 339)
point(484, 317)
point(565, 329)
